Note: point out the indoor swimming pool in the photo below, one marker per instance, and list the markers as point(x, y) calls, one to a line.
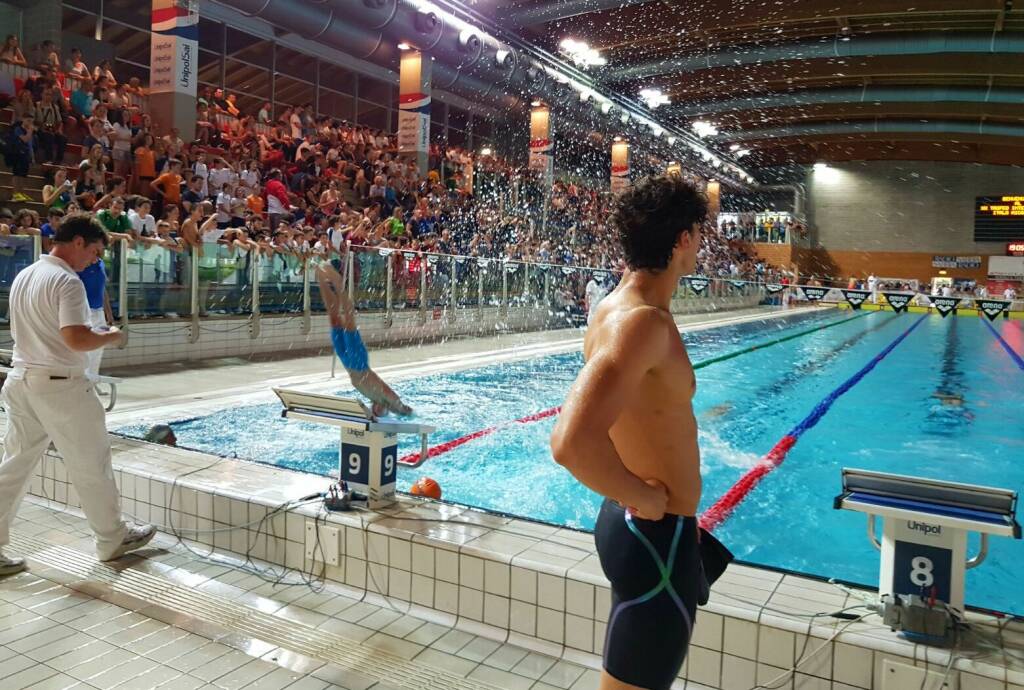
point(941, 403)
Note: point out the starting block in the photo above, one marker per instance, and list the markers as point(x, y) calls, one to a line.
point(924, 536)
point(367, 450)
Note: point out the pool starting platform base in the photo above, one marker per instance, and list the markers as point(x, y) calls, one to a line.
point(924, 542)
point(368, 448)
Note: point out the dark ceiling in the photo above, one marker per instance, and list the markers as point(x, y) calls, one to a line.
point(800, 81)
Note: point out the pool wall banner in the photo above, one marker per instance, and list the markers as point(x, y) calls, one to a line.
point(945, 305)
point(899, 301)
point(698, 284)
point(814, 293)
point(992, 308)
point(855, 298)
point(773, 288)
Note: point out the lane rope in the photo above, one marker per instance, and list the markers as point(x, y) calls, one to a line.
point(724, 506)
point(441, 448)
point(1014, 355)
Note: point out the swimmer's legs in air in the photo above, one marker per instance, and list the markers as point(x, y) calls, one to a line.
point(348, 344)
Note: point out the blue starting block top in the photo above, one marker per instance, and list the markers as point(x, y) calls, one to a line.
point(962, 506)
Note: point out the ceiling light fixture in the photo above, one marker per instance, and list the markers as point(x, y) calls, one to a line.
point(654, 97)
point(704, 129)
point(581, 53)
point(404, 46)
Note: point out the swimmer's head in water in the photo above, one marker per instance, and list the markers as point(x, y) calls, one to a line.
point(658, 221)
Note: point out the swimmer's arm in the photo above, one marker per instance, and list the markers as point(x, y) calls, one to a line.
point(580, 441)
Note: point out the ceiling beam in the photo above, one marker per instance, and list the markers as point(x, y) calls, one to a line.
point(555, 10)
point(950, 130)
point(917, 43)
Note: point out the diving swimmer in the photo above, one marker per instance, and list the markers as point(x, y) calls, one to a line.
point(348, 344)
point(627, 431)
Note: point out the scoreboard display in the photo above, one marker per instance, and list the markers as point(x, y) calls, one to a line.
point(998, 218)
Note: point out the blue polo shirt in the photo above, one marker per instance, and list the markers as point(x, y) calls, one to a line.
point(95, 279)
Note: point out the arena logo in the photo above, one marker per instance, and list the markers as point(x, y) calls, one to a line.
point(772, 288)
point(992, 308)
point(698, 285)
point(568, 270)
point(511, 268)
point(384, 251)
point(855, 298)
point(432, 259)
point(738, 284)
point(945, 305)
point(483, 263)
point(409, 255)
point(899, 301)
point(814, 293)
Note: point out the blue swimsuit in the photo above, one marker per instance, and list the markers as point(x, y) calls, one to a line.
point(350, 349)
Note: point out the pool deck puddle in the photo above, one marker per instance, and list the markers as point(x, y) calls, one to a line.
point(424, 594)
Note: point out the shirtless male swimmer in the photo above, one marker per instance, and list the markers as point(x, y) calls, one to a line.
point(627, 431)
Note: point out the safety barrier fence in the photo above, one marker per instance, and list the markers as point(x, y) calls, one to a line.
point(148, 280)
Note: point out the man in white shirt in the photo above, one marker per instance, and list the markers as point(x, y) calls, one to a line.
point(1009, 293)
point(947, 291)
point(143, 224)
point(224, 206)
point(48, 397)
point(873, 287)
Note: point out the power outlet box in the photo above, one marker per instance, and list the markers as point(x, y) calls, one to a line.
point(323, 543)
point(897, 676)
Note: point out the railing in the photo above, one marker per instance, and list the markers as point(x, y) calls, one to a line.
point(198, 287)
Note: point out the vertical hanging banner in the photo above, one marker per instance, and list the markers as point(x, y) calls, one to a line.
point(814, 293)
point(899, 301)
point(414, 108)
point(620, 167)
point(542, 158)
point(174, 48)
point(855, 298)
point(992, 308)
point(945, 305)
point(698, 284)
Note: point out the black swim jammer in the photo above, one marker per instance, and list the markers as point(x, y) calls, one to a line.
point(656, 572)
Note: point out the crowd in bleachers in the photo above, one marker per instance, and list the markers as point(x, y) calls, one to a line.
point(289, 182)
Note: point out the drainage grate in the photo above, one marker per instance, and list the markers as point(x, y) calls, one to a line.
point(297, 637)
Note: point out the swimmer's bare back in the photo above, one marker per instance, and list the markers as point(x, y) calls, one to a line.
point(638, 383)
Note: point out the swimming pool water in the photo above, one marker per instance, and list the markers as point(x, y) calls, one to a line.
point(891, 421)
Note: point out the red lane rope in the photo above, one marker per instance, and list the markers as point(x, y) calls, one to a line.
point(441, 448)
point(724, 506)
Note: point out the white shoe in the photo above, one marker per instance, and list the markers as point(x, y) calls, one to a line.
point(10, 565)
point(135, 537)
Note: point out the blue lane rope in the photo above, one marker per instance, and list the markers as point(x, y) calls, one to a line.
point(821, 408)
point(1006, 346)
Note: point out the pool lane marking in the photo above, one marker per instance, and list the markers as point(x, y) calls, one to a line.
point(442, 448)
point(1006, 346)
point(724, 506)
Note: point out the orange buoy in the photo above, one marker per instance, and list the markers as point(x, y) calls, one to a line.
point(425, 486)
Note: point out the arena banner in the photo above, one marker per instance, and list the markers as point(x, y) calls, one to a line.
point(482, 263)
point(698, 284)
point(773, 288)
point(174, 48)
point(945, 305)
point(855, 298)
point(899, 301)
point(385, 251)
point(432, 259)
point(600, 276)
point(738, 284)
point(409, 255)
point(568, 270)
point(511, 267)
point(814, 293)
point(992, 308)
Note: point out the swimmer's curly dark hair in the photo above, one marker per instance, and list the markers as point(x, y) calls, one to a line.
point(649, 217)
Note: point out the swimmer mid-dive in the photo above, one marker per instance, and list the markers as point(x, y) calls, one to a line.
point(348, 344)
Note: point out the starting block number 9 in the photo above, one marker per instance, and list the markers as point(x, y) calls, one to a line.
point(355, 461)
point(388, 467)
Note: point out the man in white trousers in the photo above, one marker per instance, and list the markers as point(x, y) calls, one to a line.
point(48, 397)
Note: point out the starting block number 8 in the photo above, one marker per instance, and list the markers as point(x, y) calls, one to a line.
point(921, 571)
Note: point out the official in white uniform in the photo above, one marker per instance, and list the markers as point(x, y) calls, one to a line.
point(48, 397)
